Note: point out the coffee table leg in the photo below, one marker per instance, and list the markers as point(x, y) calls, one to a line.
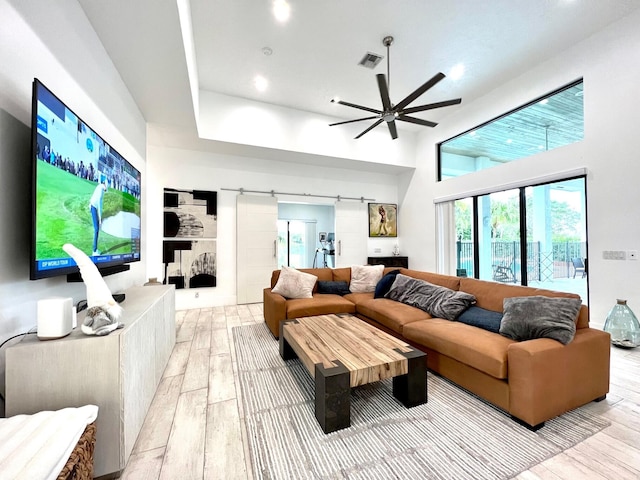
point(411, 389)
point(286, 352)
point(333, 391)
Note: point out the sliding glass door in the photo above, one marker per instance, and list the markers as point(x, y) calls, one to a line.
point(296, 243)
point(535, 235)
point(557, 236)
point(465, 246)
point(499, 236)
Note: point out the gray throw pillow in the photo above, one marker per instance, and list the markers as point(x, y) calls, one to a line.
point(526, 318)
point(437, 301)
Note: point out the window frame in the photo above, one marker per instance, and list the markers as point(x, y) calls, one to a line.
point(499, 117)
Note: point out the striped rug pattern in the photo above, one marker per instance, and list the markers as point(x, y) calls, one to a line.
point(455, 435)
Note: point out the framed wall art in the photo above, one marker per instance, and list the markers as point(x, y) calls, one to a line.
point(383, 220)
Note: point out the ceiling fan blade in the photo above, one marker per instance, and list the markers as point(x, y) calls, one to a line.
point(431, 106)
point(360, 107)
point(370, 128)
point(417, 121)
point(356, 120)
point(392, 129)
point(384, 91)
point(420, 90)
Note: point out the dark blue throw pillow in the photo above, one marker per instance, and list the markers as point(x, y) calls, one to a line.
point(384, 285)
point(335, 288)
point(479, 317)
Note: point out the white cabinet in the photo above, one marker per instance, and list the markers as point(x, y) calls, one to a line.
point(119, 372)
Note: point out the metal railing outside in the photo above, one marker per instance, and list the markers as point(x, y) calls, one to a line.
point(541, 266)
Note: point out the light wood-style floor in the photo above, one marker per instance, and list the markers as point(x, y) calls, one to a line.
point(194, 428)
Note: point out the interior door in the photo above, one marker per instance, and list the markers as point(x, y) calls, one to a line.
point(351, 233)
point(257, 234)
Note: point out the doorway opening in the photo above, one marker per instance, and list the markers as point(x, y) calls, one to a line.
point(304, 235)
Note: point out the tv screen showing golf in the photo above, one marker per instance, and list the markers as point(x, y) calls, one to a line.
point(84, 192)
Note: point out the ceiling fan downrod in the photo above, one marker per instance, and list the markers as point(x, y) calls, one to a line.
point(387, 42)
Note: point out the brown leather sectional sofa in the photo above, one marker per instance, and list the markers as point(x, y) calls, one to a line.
point(533, 380)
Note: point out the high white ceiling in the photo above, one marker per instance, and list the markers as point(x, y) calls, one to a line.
point(316, 52)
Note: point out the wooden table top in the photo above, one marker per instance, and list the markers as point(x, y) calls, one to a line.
point(367, 352)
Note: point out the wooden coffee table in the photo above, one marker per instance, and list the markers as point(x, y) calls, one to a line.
point(342, 351)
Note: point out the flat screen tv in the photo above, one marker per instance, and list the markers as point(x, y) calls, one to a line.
point(84, 192)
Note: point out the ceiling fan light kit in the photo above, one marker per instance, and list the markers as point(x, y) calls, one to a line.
point(390, 112)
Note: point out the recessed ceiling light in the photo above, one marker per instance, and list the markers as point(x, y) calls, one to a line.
point(281, 10)
point(267, 51)
point(457, 72)
point(261, 83)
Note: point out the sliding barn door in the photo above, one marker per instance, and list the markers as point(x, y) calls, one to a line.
point(352, 233)
point(257, 234)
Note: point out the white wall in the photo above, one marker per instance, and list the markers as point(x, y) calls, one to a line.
point(242, 121)
point(211, 171)
point(54, 42)
point(609, 62)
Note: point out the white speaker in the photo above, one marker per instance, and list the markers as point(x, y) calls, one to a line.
point(55, 317)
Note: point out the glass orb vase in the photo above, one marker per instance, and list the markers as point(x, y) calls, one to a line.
point(623, 326)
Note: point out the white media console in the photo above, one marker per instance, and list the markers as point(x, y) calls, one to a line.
point(119, 372)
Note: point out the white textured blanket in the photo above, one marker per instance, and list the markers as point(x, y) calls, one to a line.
point(38, 446)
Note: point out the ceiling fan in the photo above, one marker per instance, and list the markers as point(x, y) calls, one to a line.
point(390, 112)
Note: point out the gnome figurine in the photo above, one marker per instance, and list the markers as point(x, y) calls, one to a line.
point(103, 311)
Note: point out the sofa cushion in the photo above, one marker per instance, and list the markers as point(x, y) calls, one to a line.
point(364, 278)
point(384, 285)
point(391, 314)
point(293, 283)
point(358, 298)
point(323, 274)
point(490, 295)
point(438, 301)
point(320, 304)
point(336, 288)
point(341, 274)
point(436, 278)
point(480, 349)
point(527, 318)
point(481, 318)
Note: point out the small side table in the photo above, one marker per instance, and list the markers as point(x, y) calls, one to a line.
point(389, 261)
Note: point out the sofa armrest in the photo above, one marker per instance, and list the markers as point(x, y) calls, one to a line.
point(275, 310)
point(547, 379)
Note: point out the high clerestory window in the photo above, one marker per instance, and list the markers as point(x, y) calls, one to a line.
point(546, 123)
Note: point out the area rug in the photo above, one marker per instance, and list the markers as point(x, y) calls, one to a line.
point(455, 435)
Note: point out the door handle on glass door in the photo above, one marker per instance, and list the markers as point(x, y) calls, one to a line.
point(275, 249)
point(339, 247)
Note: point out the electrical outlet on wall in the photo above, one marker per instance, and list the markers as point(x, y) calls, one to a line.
point(377, 250)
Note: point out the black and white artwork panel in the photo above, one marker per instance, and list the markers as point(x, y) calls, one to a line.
point(190, 214)
point(193, 263)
